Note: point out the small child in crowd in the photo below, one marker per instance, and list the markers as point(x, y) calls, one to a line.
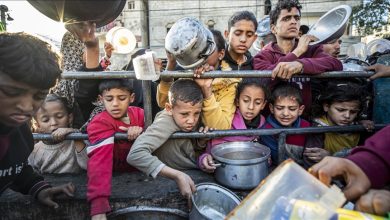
point(155, 154)
point(106, 154)
point(57, 156)
point(338, 105)
point(251, 98)
point(286, 107)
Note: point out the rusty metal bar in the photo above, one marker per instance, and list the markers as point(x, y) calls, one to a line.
point(211, 74)
point(239, 132)
point(146, 96)
point(281, 147)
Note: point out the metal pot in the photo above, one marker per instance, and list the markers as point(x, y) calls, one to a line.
point(189, 42)
point(212, 202)
point(331, 25)
point(99, 11)
point(147, 213)
point(243, 165)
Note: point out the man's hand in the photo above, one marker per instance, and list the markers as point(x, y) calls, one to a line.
point(45, 196)
point(303, 44)
point(132, 132)
point(380, 71)
point(285, 70)
point(376, 202)
point(331, 167)
point(315, 154)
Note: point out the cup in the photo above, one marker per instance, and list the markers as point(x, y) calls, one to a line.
point(145, 68)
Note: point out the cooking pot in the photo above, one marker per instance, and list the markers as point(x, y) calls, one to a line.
point(73, 11)
point(331, 25)
point(212, 202)
point(241, 165)
point(189, 42)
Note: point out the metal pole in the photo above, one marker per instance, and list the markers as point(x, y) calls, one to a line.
point(281, 147)
point(146, 95)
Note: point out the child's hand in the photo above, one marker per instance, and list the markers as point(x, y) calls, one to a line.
point(368, 124)
point(108, 48)
point(204, 84)
point(208, 164)
point(186, 185)
point(205, 129)
point(376, 202)
point(99, 217)
point(158, 65)
point(132, 132)
point(45, 196)
point(60, 133)
point(315, 154)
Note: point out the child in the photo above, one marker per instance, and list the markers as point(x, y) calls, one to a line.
point(286, 107)
point(28, 68)
point(240, 36)
point(155, 154)
point(106, 154)
point(251, 98)
point(218, 105)
point(338, 105)
point(58, 156)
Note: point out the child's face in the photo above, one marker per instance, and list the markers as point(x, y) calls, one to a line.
point(117, 101)
point(51, 116)
point(286, 110)
point(215, 57)
point(19, 101)
point(288, 23)
point(185, 115)
point(251, 101)
point(241, 36)
point(342, 113)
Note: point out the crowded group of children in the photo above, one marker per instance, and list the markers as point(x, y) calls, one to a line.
point(201, 104)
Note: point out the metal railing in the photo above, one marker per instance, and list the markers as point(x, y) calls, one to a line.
point(146, 89)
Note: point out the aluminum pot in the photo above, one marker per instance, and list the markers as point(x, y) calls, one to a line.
point(331, 25)
point(212, 202)
point(241, 165)
point(189, 42)
point(101, 12)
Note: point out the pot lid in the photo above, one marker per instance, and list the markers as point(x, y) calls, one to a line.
point(70, 11)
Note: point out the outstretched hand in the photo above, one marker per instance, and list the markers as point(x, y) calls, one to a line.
point(332, 167)
point(45, 196)
point(380, 71)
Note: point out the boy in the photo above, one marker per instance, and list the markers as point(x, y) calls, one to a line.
point(286, 107)
point(240, 36)
point(155, 154)
point(288, 56)
point(105, 154)
point(28, 68)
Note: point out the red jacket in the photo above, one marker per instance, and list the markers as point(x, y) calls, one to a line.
point(107, 155)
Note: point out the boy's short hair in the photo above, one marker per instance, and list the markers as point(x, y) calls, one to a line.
point(286, 90)
point(242, 15)
point(283, 4)
point(108, 84)
point(29, 60)
point(185, 90)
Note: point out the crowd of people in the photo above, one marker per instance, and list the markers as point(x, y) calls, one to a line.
point(29, 70)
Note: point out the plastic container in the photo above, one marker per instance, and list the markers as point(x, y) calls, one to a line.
point(291, 181)
point(145, 68)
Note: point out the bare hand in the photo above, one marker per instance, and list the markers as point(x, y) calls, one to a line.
point(331, 167)
point(132, 132)
point(158, 65)
point(315, 154)
point(368, 125)
point(45, 196)
point(60, 133)
point(99, 217)
point(205, 84)
point(376, 202)
point(185, 184)
point(85, 31)
point(108, 48)
point(303, 44)
point(380, 71)
point(285, 70)
point(208, 164)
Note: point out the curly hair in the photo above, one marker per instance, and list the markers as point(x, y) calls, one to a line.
point(29, 60)
point(283, 4)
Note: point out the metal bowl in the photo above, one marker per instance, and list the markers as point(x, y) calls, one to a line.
point(212, 202)
point(189, 42)
point(331, 25)
point(71, 11)
point(147, 213)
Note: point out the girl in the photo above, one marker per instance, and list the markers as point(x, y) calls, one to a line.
point(251, 98)
point(340, 105)
point(59, 155)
